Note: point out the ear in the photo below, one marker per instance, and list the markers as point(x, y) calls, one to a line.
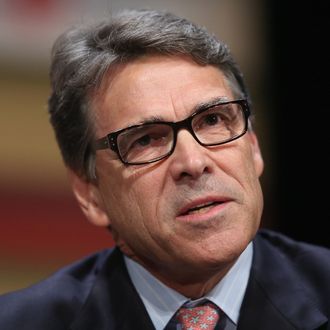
point(89, 199)
point(256, 153)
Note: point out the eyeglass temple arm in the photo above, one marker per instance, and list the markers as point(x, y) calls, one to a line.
point(102, 143)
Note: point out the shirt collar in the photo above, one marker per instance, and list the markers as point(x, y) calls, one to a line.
point(162, 302)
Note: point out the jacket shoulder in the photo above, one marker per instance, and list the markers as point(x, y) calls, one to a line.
point(306, 257)
point(308, 263)
point(53, 302)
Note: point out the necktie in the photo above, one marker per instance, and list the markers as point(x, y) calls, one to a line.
point(201, 317)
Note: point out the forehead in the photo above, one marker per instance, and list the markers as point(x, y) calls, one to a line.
point(155, 86)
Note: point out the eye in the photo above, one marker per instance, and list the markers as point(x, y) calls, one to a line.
point(212, 119)
point(152, 139)
point(143, 141)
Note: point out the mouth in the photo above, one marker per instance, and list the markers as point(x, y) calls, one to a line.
point(202, 209)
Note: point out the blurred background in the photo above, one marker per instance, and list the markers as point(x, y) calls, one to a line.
point(284, 56)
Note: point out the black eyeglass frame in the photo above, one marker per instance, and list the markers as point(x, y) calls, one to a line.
point(110, 140)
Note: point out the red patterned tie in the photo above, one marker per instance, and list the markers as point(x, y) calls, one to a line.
point(199, 317)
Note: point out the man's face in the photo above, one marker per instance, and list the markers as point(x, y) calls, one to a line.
point(150, 207)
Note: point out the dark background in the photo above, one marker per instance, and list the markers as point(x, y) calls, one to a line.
point(298, 93)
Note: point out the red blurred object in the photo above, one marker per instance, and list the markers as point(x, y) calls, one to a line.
point(43, 226)
point(32, 8)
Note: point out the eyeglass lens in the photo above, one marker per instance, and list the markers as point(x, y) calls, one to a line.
point(145, 143)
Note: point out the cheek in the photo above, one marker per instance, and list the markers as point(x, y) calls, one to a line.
point(236, 164)
point(239, 165)
point(252, 166)
point(130, 192)
point(146, 190)
point(250, 162)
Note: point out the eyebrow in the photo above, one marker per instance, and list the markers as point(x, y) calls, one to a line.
point(197, 108)
point(204, 105)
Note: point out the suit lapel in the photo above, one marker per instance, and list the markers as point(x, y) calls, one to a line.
point(275, 298)
point(113, 302)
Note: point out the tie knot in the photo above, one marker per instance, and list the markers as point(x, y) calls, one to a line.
point(200, 317)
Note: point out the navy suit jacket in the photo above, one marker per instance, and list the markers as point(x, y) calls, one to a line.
point(289, 288)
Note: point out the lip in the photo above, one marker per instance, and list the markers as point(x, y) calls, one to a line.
point(219, 204)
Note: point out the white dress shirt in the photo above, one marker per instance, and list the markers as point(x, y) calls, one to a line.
point(162, 302)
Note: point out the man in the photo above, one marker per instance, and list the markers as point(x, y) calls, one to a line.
point(153, 121)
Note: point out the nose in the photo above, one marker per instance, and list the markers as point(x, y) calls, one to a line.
point(189, 158)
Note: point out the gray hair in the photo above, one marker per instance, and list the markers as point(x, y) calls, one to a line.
point(82, 55)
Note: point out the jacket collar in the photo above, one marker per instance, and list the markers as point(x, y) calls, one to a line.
point(113, 302)
point(275, 298)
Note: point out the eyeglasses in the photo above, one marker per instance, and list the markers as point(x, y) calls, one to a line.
point(150, 142)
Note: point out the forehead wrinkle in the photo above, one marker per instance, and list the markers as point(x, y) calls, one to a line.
point(158, 118)
point(200, 106)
